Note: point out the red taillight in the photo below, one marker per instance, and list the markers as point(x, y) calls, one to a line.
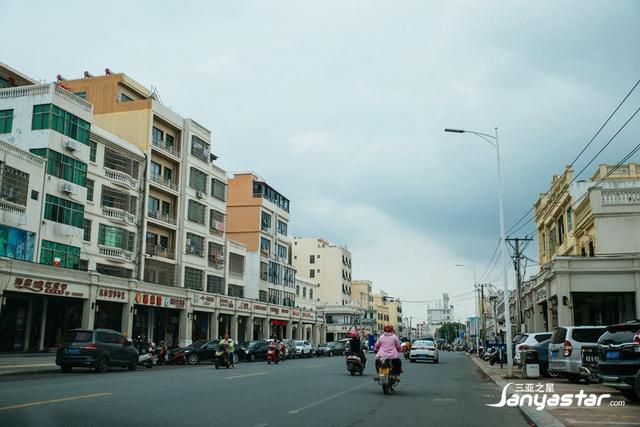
point(567, 348)
point(524, 347)
point(89, 347)
point(636, 342)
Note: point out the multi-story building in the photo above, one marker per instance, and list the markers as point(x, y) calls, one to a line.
point(328, 265)
point(306, 293)
point(589, 261)
point(362, 295)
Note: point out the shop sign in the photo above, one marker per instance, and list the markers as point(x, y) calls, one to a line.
point(226, 302)
point(244, 305)
point(112, 294)
point(50, 287)
point(279, 322)
point(307, 314)
point(160, 301)
point(274, 310)
point(284, 310)
point(203, 299)
point(296, 313)
point(259, 307)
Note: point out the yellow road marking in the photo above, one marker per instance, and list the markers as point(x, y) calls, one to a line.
point(26, 366)
point(47, 402)
point(246, 375)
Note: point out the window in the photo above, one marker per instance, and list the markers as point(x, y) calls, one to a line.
point(265, 246)
point(266, 222)
point(89, 184)
point(82, 95)
point(199, 148)
point(157, 135)
point(123, 162)
point(193, 278)
point(16, 243)
point(93, 148)
point(216, 220)
point(236, 291)
point(196, 212)
point(215, 284)
point(49, 116)
point(298, 290)
point(312, 273)
point(569, 218)
point(155, 170)
point(166, 208)
point(167, 173)
point(116, 199)
point(198, 180)
point(282, 228)
point(288, 276)
point(264, 271)
point(64, 211)
point(561, 230)
point(14, 184)
point(6, 121)
point(164, 242)
point(281, 251)
point(195, 245)
point(87, 230)
point(312, 259)
point(592, 249)
point(169, 140)
point(304, 292)
point(34, 195)
point(125, 98)
point(52, 253)
point(62, 166)
point(310, 294)
point(219, 189)
point(116, 237)
point(154, 204)
point(260, 189)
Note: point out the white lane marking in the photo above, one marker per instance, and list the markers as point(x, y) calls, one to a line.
point(326, 399)
point(616, 423)
point(246, 375)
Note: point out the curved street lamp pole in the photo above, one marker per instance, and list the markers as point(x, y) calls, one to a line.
point(493, 140)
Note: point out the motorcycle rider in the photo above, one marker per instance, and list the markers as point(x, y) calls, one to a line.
point(406, 346)
point(276, 343)
point(227, 345)
point(355, 346)
point(387, 347)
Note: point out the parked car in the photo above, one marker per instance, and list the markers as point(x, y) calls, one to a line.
point(565, 349)
point(198, 351)
point(256, 350)
point(303, 348)
point(542, 348)
point(99, 349)
point(619, 358)
point(331, 349)
point(424, 350)
point(528, 340)
point(290, 346)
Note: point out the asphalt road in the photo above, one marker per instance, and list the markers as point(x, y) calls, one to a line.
point(307, 392)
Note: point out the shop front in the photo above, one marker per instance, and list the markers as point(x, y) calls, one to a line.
point(35, 312)
point(203, 307)
point(108, 308)
point(260, 314)
point(157, 317)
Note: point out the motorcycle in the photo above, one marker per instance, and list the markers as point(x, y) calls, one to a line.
point(146, 355)
point(386, 380)
point(271, 355)
point(354, 364)
point(220, 358)
point(162, 353)
point(406, 353)
point(495, 357)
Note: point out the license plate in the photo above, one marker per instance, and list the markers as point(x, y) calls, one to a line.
point(384, 371)
point(73, 350)
point(554, 354)
point(612, 355)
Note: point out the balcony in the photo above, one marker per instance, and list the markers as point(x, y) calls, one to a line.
point(115, 253)
point(162, 145)
point(121, 178)
point(119, 215)
point(215, 259)
point(217, 226)
point(161, 216)
point(16, 208)
point(45, 89)
point(159, 251)
point(159, 179)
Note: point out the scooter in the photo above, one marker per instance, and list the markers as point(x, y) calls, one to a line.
point(495, 357)
point(386, 380)
point(354, 364)
point(271, 355)
point(220, 358)
point(406, 353)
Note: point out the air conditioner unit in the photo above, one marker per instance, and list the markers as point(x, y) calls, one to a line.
point(199, 194)
point(71, 144)
point(67, 187)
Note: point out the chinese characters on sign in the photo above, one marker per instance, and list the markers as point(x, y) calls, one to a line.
point(112, 294)
point(48, 287)
point(160, 301)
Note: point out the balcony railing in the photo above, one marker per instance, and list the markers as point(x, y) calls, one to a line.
point(155, 250)
point(200, 153)
point(161, 216)
point(161, 144)
point(8, 206)
point(217, 226)
point(121, 177)
point(159, 179)
point(620, 197)
point(115, 253)
point(216, 259)
point(45, 89)
point(119, 215)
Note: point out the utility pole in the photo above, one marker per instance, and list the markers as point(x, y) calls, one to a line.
point(516, 264)
point(484, 330)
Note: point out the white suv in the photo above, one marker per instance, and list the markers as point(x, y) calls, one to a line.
point(303, 348)
point(527, 340)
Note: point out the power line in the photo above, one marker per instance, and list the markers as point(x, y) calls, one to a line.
point(491, 260)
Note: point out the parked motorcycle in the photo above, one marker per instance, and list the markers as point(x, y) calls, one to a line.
point(271, 355)
point(386, 380)
point(354, 364)
point(162, 353)
point(495, 357)
point(220, 358)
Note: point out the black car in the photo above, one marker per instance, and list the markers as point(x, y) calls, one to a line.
point(333, 348)
point(255, 350)
point(98, 349)
point(198, 351)
point(619, 358)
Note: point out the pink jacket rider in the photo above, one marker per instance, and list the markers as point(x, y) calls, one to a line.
point(387, 346)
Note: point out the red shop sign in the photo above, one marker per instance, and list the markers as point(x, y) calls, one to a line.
point(279, 322)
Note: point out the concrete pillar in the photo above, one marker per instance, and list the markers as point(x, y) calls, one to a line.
point(233, 330)
point(248, 334)
point(185, 328)
point(43, 324)
point(127, 317)
point(299, 335)
point(537, 318)
point(289, 331)
point(266, 330)
point(27, 325)
point(637, 277)
point(88, 309)
point(215, 325)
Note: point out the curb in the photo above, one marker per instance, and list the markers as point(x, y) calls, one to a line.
point(539, 418)
point(31, 372)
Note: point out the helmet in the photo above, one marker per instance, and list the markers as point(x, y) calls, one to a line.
point(352, 334)
point(388, 328)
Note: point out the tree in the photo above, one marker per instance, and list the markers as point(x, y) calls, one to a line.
point(450, 331)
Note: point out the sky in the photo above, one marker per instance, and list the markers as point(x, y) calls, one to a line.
point(341, 106)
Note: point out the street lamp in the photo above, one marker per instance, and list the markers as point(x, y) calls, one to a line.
point(493, 140)
point(473, 267)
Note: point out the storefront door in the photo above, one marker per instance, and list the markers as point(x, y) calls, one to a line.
point(108, 315)
point(200, 329)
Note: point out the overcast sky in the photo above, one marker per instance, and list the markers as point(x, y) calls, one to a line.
point(341, 106)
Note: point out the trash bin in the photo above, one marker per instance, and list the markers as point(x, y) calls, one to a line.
point(530, 364)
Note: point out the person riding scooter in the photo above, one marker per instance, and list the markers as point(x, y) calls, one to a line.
point(387, 347)
point(355, 346)
point(227, 344)
point(406, 348)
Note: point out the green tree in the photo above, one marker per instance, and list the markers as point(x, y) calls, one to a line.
point(450, 331)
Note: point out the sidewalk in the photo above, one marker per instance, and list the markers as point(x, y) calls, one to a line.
point(628, 414)
point(22, 363)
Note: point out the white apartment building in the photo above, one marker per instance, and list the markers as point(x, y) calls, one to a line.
point(306, 293)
